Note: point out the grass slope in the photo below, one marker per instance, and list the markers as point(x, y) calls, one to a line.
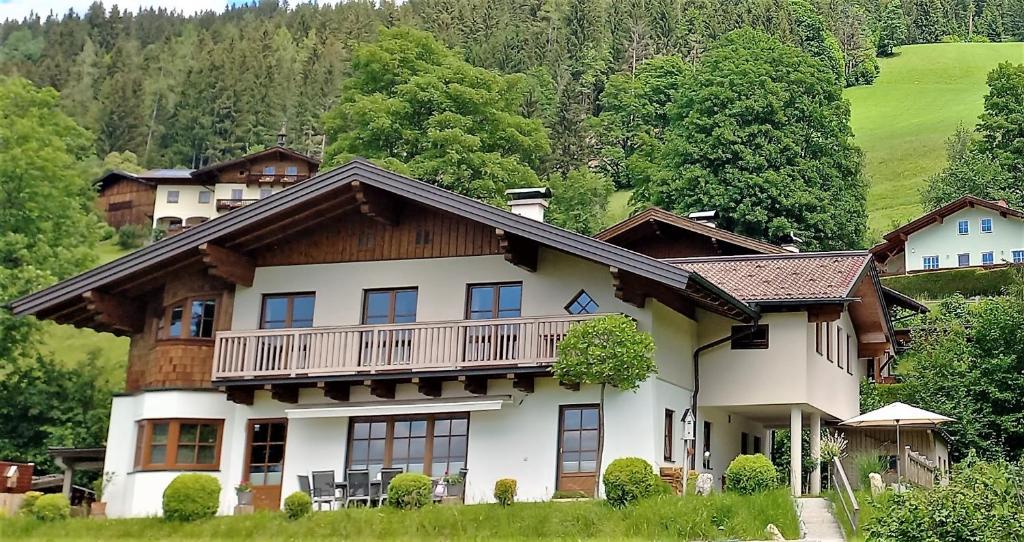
point(717, 517)
point(903, 120)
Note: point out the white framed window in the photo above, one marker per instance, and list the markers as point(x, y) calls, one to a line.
point(265, 193)
point(1018, 256)
point(172, 196)
point(987, 258)
point(291, 170)
point(931, 262)
point(963, 260)
point(986, 225)
point(205, 196)
point(963, 227)
point(236, 193)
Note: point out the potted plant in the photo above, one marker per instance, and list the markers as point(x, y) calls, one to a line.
point(244, 493)
point(98, 508)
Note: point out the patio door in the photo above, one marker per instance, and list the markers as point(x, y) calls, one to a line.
point(578, 434)
point(264, 462)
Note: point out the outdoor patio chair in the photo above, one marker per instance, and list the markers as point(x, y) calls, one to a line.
point(324, 489)
point(304, 485)
point(358, 487)
point(386, 475)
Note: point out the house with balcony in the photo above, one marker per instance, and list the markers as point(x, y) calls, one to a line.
point(365, 320)
point(174, 199)
point(967, 232)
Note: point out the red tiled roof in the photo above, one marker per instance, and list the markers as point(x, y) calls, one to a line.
point(809, 276)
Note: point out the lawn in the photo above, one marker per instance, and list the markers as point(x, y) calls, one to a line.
point(718, 517)
point(902, 121)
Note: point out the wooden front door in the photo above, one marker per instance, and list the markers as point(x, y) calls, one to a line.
point(264, 463)
point(577, 448)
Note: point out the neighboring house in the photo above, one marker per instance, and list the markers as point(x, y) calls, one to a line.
point(968, 232)
point(367, 320)
point(173, 199)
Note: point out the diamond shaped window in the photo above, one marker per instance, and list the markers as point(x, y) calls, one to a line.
point(582, 304)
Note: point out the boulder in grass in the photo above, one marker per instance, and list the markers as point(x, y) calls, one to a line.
point(877, 486)
point(704, 483)
point(773, 532)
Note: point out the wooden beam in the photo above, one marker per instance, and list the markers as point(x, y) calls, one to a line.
point(227, 264)
point(477, 385)
point(626, 289)
point(375, 203)
point(384, 389)
point(430, 388)
point(870, 350)
point(824, 313)
point(241, 395)
point(519, 252)
point(284, 393)
point(523, 383)
point(338, 391)
point(117, 313)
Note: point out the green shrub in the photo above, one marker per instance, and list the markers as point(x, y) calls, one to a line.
point(53, 507)
point(505, 491)
point(30, 500)
point(629, 479)
point(191, 497)
point(565, 494)
point(867, 463)
point(298, 505)
point(942, 284)
point(749, 474)
point(409, 490)
point(131, 236)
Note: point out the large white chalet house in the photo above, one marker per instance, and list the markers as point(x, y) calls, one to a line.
point(363, 320)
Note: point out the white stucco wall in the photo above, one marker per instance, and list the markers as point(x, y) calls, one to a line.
point(188, 203)
point(831, 388)
point(944, 241)
point(726, 430)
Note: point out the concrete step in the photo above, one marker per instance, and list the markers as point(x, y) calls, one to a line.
point(818, 521)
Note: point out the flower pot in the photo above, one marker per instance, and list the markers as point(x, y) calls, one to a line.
point(244, 498)
point(98, 510)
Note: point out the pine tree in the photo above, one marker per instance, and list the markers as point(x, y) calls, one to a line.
point(892, 28)
point(925, 25)
point(122, 118)
point(990, 24)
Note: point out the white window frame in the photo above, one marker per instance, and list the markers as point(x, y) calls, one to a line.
point(1018, 256)
point(266, 193)
point(208, 194)
point(959, 261)
point(926, 259)
point(991, 258)
point(986, 221)
point(237, 193)
point(963, 227)
point(173, 196)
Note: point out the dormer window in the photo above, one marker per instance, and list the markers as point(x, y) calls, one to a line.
point(963, 227)
point(986, 225)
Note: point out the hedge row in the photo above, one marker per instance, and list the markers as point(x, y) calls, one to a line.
point(942, 284)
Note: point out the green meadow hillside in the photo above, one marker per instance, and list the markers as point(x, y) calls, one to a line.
point(902, 121)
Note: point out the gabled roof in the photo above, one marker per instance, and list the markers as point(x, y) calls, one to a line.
point(664, 217)
point(275, 150)
point(149, 176)
point(895, 239)
point(791, 277)
point(67, 296)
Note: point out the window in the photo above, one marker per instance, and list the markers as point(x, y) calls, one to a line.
point(265, 461)
point(1018, 256)
point(433, 445)
point(265, 193)
point(172, 196)
point(396, 306)
point(850, 355)
point(840, 343)
point(963, 260)
point(744, 439)
point(669, 425)
point(706, 459)
point(291, 170)
point(179, 444)
point(287, 311)
point(817, 337)
point(579, 437)
point(828, 338)
point(963, 227)
point(200, 313)
point(236, 193)
point(488, 301)
point(582, 304)
point(987, 258)
point(930, 262)
point(755, 337)
point(986, 225)
point(423, 237)
point(268, 170)
point(205, 196)
point(757, 445)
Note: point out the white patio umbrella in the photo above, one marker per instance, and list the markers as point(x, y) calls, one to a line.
point(895, 415)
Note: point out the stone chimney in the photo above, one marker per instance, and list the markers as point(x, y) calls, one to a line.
point(708, 218)
point(529, 202)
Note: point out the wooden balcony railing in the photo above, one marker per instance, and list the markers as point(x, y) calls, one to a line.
point(229, 204)
point(395, 347)
point(256, 177)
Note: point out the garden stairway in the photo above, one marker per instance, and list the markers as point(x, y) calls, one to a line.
point(818, 522)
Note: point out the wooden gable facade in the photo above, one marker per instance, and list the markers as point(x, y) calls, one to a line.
point(126, 200)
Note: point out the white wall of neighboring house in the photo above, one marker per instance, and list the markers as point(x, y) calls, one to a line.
point(944, 241)
point(188, 205)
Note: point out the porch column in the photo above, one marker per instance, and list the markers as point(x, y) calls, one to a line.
point(816, 453)
point(768, 440)
point(795, 453)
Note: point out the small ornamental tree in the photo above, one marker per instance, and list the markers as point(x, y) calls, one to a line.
point(607, 351)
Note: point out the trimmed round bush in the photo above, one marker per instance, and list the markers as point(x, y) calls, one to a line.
point(53, 507)
point(409, 490)
point(749, 474)
point(191, 497)
point(29, 501)
point(505, 491)
point(298, 504)
point(629, 479)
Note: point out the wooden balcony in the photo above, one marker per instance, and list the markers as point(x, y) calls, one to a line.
point(272, 178)
point(230, 204)
point(373, 349)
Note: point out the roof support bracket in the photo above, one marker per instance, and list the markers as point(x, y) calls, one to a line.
point(228, 264)
point(518, 251)
point(375, 203)
point(117, 313)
